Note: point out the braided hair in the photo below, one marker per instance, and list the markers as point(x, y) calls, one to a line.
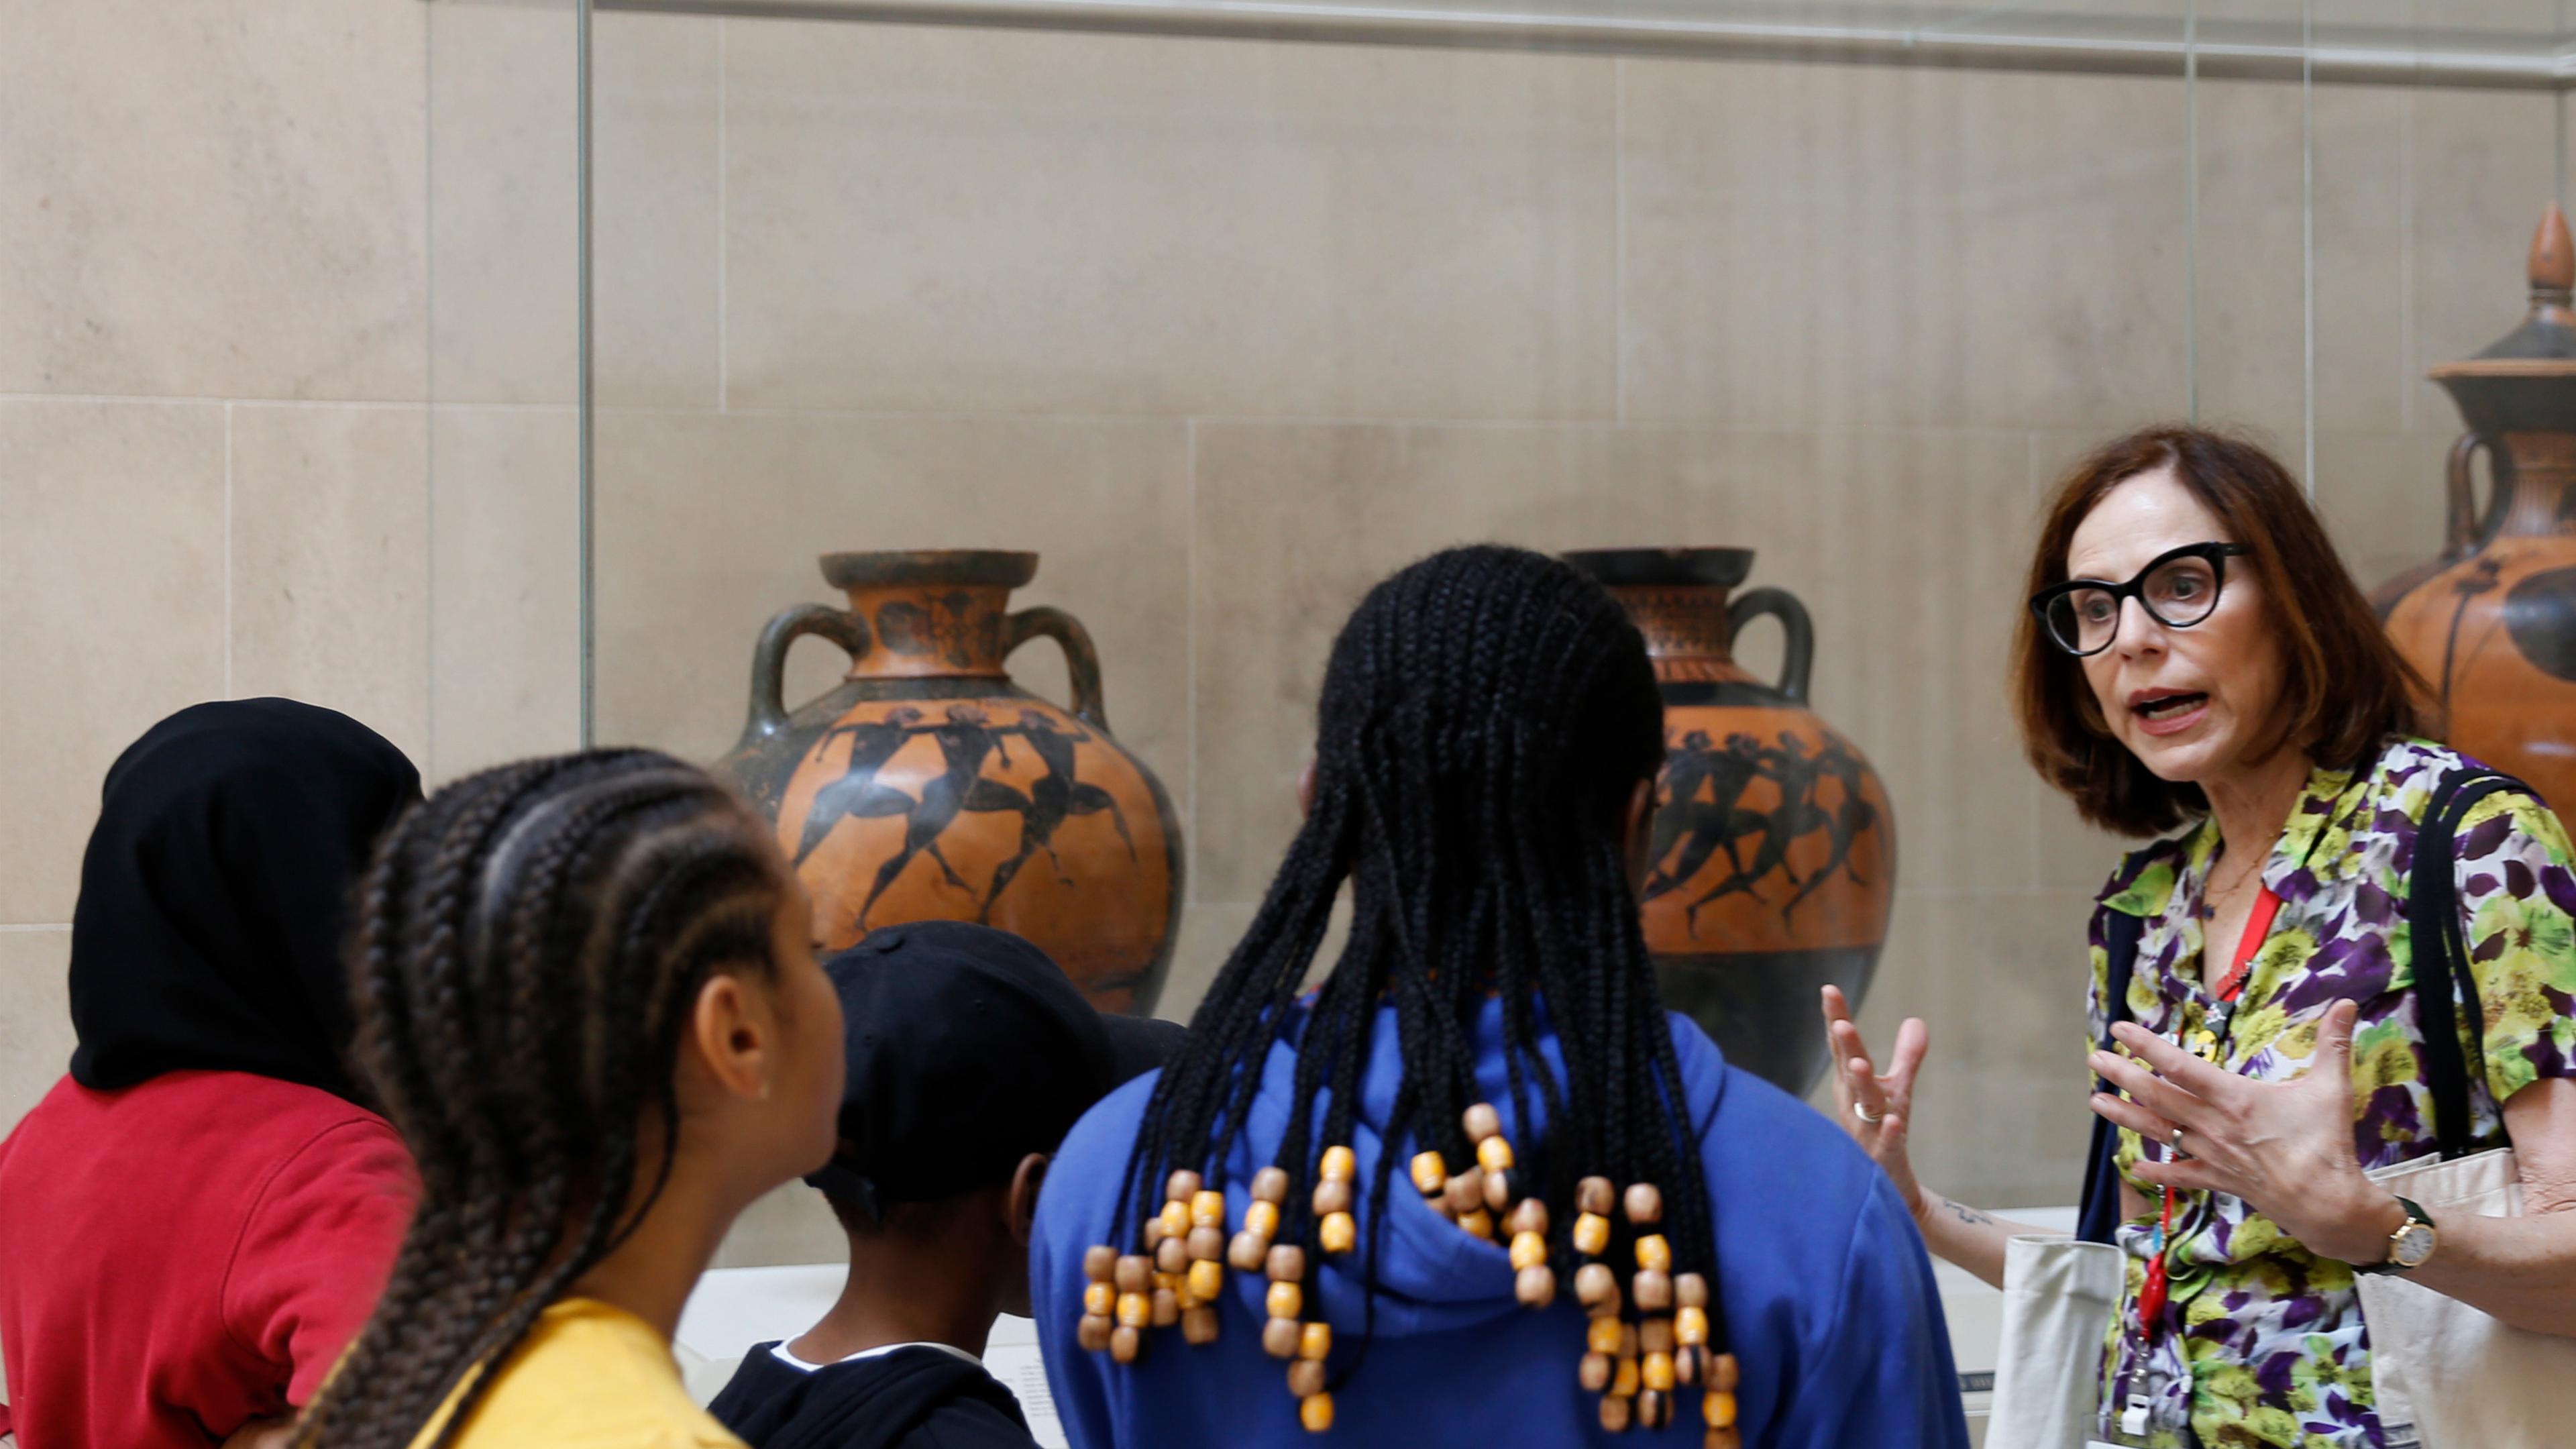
point(531, 942)
point(1487, 716)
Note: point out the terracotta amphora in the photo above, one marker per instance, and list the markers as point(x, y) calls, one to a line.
point(928, 786)
point(2492, 621)
point(1774, 846)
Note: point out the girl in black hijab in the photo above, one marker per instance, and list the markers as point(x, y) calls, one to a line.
point(197, 1218)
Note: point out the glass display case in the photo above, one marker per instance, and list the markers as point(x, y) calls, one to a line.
point(1223, 309)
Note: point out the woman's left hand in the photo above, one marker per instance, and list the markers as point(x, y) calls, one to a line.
point(2284, 1147)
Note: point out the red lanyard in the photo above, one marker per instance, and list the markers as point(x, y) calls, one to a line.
point(2151, 1293)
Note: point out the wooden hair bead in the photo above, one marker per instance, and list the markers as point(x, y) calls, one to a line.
point(1594, 1372)
point(1602, 1336)
point(1280, 1337)
point(1207, 1209)
point(1718, 1407)
point(1262, 1218)
point(1315, 1411)
point(1723, 1439)
point(1529, 1250)
point(1480, 1223)
point(1499, 1189)
point(1247, 1251)
point(1305, 1378)
point(1135, 1274)
point(1093, 1334)
point(1643, 1204)
point(1100, 1263)
point(1135, 1310)
point(1624, 1381)
point(1494, 1155)
point(1338, 1232)
point(1182, 1185)
point(1154, 1232)
point(1690, 1290)
point(1125, 1342)
point(1614, 1413)
point(1172, 1255)
point(1591, 1234)
point(1594, 1283)
point(1206, 1245)
point(1339, 1165)
point(1207, 1279)
point(1593, 1195)
point(1285, 1300)
point(1270, 1185)
point(1690, 1364)
point(1529, 1217)
point(1690, 1325)
point(1430, 1173)
point(1654, 1409)
point(1466, 1192)
point(1332, 1196)
point(1655, 1335)
point(1101, 1298)
point(1627, 1340)
point(1198, 1325)
point(1654, 1254)
point(1287, 1263)
point(1176, 1219)
point(1722, 1373)
point(1182, 1295)
point(1315, 1340)
point(1652, 1290)
point(1167, 1308)
point(1482, 1121)
point(1535, 1286)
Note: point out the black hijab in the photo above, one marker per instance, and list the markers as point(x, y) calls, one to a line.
point(216, 890)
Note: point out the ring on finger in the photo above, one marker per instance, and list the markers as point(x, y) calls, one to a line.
point(2175, 1142)
point(1866, 1116)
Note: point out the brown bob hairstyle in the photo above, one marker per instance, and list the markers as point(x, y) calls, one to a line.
point(2344, 686)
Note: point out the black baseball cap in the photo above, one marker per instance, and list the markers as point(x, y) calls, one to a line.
point(968, 1049)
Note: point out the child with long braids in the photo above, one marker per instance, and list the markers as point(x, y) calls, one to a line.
point(588, 999)
point(1476, 1187)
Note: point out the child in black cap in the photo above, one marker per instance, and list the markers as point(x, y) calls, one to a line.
point(970, 1056)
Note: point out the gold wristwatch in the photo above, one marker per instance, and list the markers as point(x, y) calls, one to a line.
point(2410, 1246)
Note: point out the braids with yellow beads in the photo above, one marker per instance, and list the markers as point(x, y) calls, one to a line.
point(1486, 718)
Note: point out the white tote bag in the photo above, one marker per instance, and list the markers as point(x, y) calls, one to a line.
point(2059, 1295)
point(2446, 1375)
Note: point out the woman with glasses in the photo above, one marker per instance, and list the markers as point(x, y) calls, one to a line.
point(2197, 667)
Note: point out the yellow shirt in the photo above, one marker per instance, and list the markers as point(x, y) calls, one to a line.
point(589, 1376)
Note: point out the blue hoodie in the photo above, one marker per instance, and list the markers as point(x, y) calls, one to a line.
point(1828, 1294)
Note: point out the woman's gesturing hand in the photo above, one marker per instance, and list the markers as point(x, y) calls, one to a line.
point(1875, 1109)
point(2284, 1147)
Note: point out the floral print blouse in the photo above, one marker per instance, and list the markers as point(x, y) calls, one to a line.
point(2261, 1342)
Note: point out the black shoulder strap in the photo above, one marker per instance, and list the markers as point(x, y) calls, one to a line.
point(2099, 1220)
point(2445, 991)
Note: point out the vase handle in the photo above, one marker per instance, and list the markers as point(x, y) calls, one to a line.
point(1800, 655)
point(769, 661)
point(1081, 660)
point(2460, 523)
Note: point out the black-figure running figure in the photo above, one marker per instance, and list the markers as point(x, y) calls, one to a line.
point(1056, 796)
point(857, 795)
point(1852, 819)
point(1794, 770)
point(965, 740)
point(1699, 827)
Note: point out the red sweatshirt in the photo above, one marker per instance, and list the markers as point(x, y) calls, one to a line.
point(185, 1255)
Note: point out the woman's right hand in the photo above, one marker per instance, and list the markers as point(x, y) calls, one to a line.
point(1889, 1099)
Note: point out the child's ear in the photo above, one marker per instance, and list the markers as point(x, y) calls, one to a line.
point(1023, 1203)
point(735, 1034)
